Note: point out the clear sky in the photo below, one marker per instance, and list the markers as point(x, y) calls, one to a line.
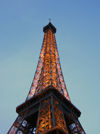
point(78, 41)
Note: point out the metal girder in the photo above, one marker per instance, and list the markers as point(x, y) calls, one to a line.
point(47, 115)
point(47, 109)
point(48, 70)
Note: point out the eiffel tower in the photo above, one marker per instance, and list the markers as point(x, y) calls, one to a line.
point(47, 108)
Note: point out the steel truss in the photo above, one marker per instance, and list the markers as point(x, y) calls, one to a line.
point(47, 109)
point(47, 113)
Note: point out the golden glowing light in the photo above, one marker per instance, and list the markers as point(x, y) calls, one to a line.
point(48, 70)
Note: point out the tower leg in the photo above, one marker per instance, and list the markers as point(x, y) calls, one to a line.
point(15, 125)
point(80, 129)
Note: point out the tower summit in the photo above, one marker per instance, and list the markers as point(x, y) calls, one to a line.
point(47, 109)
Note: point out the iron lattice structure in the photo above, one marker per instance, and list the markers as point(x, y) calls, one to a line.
point(48, 71)
point(47, 109)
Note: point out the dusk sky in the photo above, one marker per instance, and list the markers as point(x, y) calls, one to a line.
point(78, 42)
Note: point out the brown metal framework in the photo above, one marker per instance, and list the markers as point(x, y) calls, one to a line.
point(47, 109)
point(48, 70)
point(47, 113)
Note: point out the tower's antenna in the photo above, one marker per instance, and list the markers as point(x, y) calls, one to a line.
point(49, 20)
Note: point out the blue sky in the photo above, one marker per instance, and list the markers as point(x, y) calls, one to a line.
point(78, 42)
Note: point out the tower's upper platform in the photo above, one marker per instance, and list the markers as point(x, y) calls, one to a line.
point(49, 26)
